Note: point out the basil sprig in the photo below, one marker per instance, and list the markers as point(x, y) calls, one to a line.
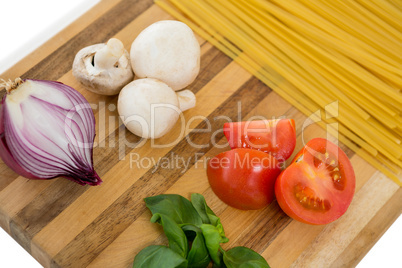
point(194, 234)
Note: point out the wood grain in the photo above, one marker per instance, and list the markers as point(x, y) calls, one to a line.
point(63, 224)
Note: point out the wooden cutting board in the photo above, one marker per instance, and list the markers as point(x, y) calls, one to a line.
point(63, 224)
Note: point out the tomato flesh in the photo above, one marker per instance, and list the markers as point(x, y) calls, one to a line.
point(276, 137)
point(319, 184)
point(243, 178)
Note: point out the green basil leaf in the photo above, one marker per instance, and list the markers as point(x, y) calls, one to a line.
point(242, 257)
point(175, 206)
point(202, 208)
point(175, 235)
point(212, 241)
point(198, 256)
point(190, 230)
point(157, 257)
point(207, 215)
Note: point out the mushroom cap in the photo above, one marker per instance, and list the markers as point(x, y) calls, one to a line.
point(104, 82)
point(148, 107)
point(166, 50)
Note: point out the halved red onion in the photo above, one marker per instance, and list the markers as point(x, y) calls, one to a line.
point(47, 130)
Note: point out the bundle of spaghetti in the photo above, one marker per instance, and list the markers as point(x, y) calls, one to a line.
point(340, 57)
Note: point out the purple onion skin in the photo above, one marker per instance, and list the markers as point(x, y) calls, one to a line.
point(5, 153)
point(83, 173)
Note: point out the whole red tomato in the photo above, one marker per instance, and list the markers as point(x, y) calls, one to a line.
point(244, 178)
point(276, 137)
point(319, 184)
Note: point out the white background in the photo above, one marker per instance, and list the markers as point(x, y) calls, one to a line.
point(25, 25)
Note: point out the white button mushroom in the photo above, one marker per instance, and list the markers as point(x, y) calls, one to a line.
point(148, 108)
point(103, 68)
point(186, 99)
point(168, 51)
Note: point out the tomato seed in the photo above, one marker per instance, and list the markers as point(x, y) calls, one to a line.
point(306, 198)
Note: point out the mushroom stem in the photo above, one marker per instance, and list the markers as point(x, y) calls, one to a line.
point(108, 56)
point(186, 99)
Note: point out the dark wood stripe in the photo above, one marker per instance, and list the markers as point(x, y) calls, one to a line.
point(60, 61)
point(113, 221)
point(266, 227)
point(211, 62)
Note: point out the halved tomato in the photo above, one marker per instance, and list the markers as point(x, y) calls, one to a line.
point(244, 178)
point(276, 137)
point(319, 184)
